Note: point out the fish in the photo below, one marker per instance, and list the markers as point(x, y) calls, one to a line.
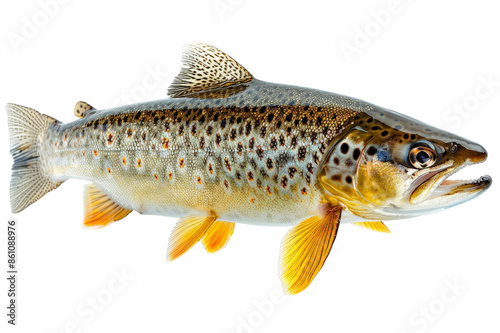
point(227, 148)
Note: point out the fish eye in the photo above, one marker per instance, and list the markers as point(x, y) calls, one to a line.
point(422, 155)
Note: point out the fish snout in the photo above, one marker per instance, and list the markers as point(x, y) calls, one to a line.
point(477, 153)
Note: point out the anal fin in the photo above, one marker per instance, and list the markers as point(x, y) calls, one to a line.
point(187, 232)
point(306, 247)
point(217, 236)
point(375, 226)
point(99, 209)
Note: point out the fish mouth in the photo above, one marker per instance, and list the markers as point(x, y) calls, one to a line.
point(436, 187)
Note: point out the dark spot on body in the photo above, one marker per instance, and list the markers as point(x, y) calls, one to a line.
point(371, 151)
point(284, 181)
point(344, 148)
point(260, 152)
point(263, 131)
point(302, 153)
point(309, 167)
point(356, 153)
point(269, 163)
point(282, 140)
point(336, 178)
point(248, 128)
point(274, 144)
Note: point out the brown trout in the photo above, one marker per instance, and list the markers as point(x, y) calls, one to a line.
point(227, 148)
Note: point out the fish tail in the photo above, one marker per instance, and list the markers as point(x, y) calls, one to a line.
point(29, 181)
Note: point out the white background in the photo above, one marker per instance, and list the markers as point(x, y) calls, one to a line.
point(426, 58)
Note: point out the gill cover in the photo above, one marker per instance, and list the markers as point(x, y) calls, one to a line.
point(338, 172)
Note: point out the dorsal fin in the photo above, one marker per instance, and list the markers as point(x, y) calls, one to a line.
point(375, 226)
point(84, 109)
point(99, 210)
point(206, 68)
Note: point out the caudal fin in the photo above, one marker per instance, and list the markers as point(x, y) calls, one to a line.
point(28, 183)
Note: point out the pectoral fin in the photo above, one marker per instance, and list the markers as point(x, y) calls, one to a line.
point(217, 236)
point(306, 247)
point(187, 232)
point(375, 226)
point(99, 209)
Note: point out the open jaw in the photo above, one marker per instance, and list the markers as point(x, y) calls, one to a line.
point(436, 191)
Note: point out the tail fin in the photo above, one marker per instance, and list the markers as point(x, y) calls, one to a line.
point(28, 183)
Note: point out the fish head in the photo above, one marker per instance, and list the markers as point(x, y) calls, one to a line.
point(389, 166)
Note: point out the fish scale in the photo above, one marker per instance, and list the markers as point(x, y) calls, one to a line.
point(227, 148)
point(190, 158)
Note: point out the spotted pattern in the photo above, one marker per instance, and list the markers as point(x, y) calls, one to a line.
point(246, 162)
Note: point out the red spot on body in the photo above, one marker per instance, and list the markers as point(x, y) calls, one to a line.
point(164, 143)
point(268, 190)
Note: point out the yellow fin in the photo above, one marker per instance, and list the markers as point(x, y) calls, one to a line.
point(206, 68)
point(217, 236)
point(83, 109)
point(99, 209)
point(375, 226)
point(187, 232)
point(305, 249)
